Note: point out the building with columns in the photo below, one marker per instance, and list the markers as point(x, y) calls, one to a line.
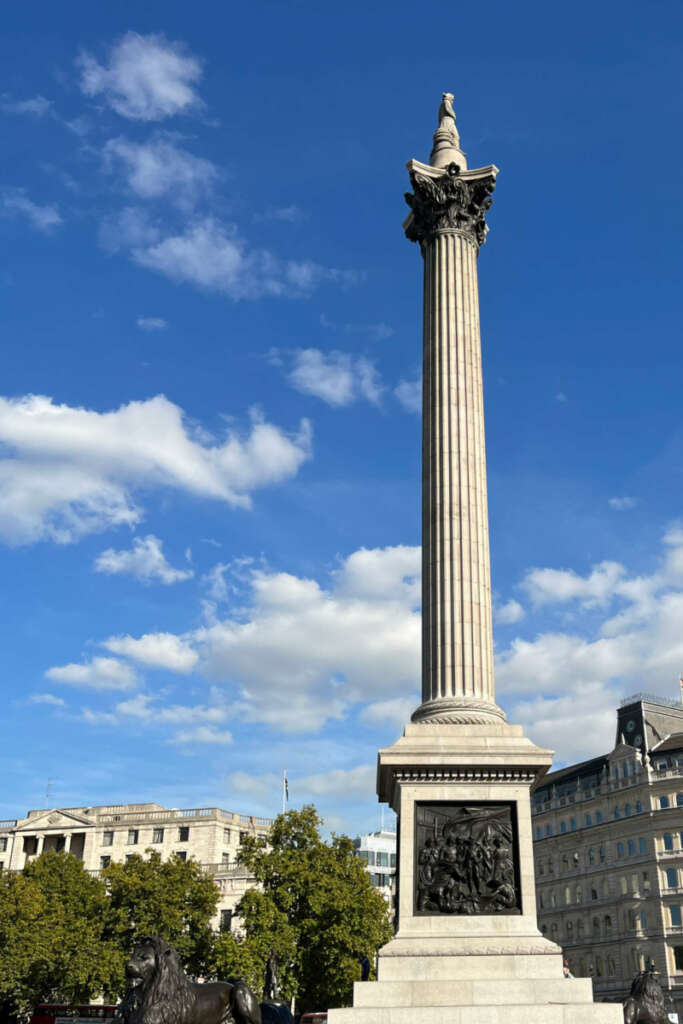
point(608, 852)
point(99, 835)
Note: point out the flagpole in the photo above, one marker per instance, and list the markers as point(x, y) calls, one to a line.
point(284, 791)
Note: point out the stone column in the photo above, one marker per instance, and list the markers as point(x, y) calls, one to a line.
point(448, 206)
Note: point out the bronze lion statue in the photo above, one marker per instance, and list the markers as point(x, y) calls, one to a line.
point(159, 992)
point(645, 1003)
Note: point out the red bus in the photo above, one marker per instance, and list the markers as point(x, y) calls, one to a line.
point(54, 1013)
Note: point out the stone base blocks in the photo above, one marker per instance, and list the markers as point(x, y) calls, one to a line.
point(467, 967)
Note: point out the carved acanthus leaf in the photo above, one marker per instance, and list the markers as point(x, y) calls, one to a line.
point(449, 203)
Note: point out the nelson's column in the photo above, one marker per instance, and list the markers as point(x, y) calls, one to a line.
point(467, 947)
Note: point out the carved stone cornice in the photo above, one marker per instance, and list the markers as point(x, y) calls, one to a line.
point(448, 201)
point(465, 773)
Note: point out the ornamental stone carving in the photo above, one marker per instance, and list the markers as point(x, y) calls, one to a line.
point(449, 202)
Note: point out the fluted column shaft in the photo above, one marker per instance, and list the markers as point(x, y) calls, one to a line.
point(457, 642)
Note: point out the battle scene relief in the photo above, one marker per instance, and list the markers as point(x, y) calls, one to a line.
point(466, 859)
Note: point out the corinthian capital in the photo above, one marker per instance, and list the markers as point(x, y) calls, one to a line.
point(448, 200)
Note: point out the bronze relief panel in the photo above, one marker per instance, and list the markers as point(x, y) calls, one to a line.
point(466, 858)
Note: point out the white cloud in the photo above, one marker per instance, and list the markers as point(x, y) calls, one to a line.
point(72, 471)
point(157, 650)
point(151, 323)
point(98, 674)
point(143, 707)
point(396, 711)
point(349, 783)
point(37, 106)
point(409, 394)
point(301, 654)
point(622, 504)
point(159, 168)
point(626, 636)
point(377, 331)
point(203, 734)
point(47, 698)
point(557, 586)
point(211, 256)
point(132, 226)
point(15, 203)
point(508, 613)
point(335, 377)
point(99, 717)
point(146, 78)
point(145, 560)
point(289, 214)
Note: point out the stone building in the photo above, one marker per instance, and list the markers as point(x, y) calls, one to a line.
point(378, 851)
point(98, 835)
point(608, 846)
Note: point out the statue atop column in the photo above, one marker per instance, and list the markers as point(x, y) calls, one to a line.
point(446, 149)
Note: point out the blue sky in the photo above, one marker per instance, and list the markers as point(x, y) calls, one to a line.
point(209, 429)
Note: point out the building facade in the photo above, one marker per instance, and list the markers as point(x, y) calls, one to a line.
point(608, 851)
point(378, 851)
point(99, 835)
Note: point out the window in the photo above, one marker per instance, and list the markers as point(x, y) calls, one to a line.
point(608, 925)
point(639, 807)
point(627, 810)
point(549, 830)
point(567, 895)
point(181, 854)
point(672, 877)
point(643, 920)
point(589, 820)
point(602, 853)
point(634, 883)
point(3, 844)
point(663, 802)
point(105, 861)
point(598, 966)
point(392, 860)
point(631, 847)
point(646, 882)
point(572, 824)
point(183, 833)
point(129, 856)
point(598, 817)
point(679, 799)
point(226, 836)
point(594, 893)
point(620, 849)
point(243, 836)
point(668, 841)
point(370, 855)
point(226, 920)
point(591, 856)
point(539, 832)
point(617, 813)
point(132, 837)
point(107, 839)
point(225, 859)
point(623, 885)
point(678, 957)
point(624, 770)
point(382, 860)
point(553, 898)
point(675, 915)
point(596, 927)
point(565, 861)
point(642, 845)
point(611, 967)
point(563, 826)
point(158, 835)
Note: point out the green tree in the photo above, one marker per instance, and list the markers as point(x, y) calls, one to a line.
point(175, 899)
point(315, 906)
point(51, 944)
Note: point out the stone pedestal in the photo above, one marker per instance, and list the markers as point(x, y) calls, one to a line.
point(456, 967)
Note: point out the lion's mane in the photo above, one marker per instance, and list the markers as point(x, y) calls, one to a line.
point(167, 997)
point(646, 1000)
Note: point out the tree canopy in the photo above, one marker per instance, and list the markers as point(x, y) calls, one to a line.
point(315, 906)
